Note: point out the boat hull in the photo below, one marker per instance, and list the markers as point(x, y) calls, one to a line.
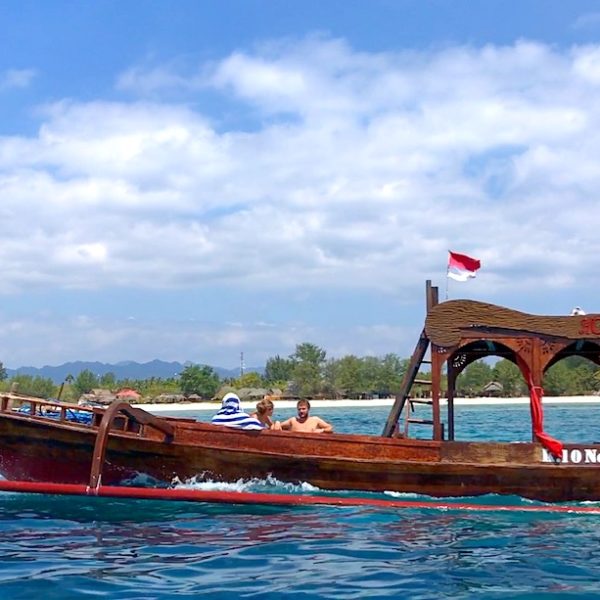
point(41, 450)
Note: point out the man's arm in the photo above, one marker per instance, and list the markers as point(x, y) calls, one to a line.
point(323, 426)
point(287, 424)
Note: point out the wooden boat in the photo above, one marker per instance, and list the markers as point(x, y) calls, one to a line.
point(118, 444)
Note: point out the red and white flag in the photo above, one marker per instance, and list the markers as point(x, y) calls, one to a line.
point(462, 267)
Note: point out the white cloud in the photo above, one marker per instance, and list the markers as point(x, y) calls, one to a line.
point(148, 81)
point(349, 171)
point(589, 20)
point(259, 79)
point(587, 63)
point(82, 253)
point(16, 78)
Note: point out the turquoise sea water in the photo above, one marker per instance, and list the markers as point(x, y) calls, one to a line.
point(60, 547)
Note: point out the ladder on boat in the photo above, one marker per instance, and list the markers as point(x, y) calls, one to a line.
point(404, 401)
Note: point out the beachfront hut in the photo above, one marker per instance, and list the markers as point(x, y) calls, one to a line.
point(169, 398)
point(97, 397)
point(224, 389)
point(493, 388)
point(128, 394)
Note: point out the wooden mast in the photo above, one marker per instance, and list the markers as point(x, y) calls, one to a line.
point(436, 367)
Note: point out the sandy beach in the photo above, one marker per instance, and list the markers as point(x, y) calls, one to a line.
point(345, 403)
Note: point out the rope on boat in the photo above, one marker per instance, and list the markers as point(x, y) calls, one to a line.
point(222, 497)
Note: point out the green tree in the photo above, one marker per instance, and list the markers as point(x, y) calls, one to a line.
point(40, 387)
point(390, 373)
point(108, 381)
point(570, 377)
point(308, 360)
point(509, 375)
point(248, 380)
point(349, 378)
point(557, 380)
point(85, 382)
point(199, 379)
point(3, 373)
point(308, 353)
point(474, 378)
point(584, 374)
point(155, 386)
point(330, 375)
point(278, 369)
point(368, 374)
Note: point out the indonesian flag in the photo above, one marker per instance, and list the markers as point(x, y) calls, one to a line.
point(462, 267)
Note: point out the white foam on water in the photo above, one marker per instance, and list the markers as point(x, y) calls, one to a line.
point(205, 482)
point(401, 494)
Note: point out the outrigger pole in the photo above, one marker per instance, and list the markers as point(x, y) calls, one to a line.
point(254, 498)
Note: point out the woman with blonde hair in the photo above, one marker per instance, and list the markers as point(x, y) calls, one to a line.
point(264, 412)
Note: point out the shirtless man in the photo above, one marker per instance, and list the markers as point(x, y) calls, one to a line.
point(304, 422)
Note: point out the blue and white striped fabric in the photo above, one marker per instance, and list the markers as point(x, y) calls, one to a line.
point(231, 415)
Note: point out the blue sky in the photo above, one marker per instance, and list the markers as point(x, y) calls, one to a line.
point(192, 180)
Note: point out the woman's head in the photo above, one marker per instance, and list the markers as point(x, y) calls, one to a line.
point(264, 407)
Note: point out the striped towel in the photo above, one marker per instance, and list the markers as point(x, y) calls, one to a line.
point(230, 415)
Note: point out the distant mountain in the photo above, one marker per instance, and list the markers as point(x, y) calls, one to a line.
point(122, 370)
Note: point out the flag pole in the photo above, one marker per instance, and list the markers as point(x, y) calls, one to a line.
point(447, 271)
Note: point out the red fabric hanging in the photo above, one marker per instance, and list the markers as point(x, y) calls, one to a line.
point(537, 413)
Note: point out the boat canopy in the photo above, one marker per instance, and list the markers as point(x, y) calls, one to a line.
point(459, 332)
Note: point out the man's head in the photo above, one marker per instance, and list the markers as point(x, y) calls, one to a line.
point(303, 408)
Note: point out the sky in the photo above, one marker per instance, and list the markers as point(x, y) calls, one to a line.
point(197, 181)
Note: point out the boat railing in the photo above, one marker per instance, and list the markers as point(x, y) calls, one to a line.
point(117, 417)
point(113, 412)
point(50, 409)
point(125, 418)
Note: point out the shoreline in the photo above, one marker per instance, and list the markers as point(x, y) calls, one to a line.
point(346, 403)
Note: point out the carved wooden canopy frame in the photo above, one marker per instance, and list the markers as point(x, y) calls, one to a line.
point(463, 331)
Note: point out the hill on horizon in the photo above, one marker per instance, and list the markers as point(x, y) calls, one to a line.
point(122, 370)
